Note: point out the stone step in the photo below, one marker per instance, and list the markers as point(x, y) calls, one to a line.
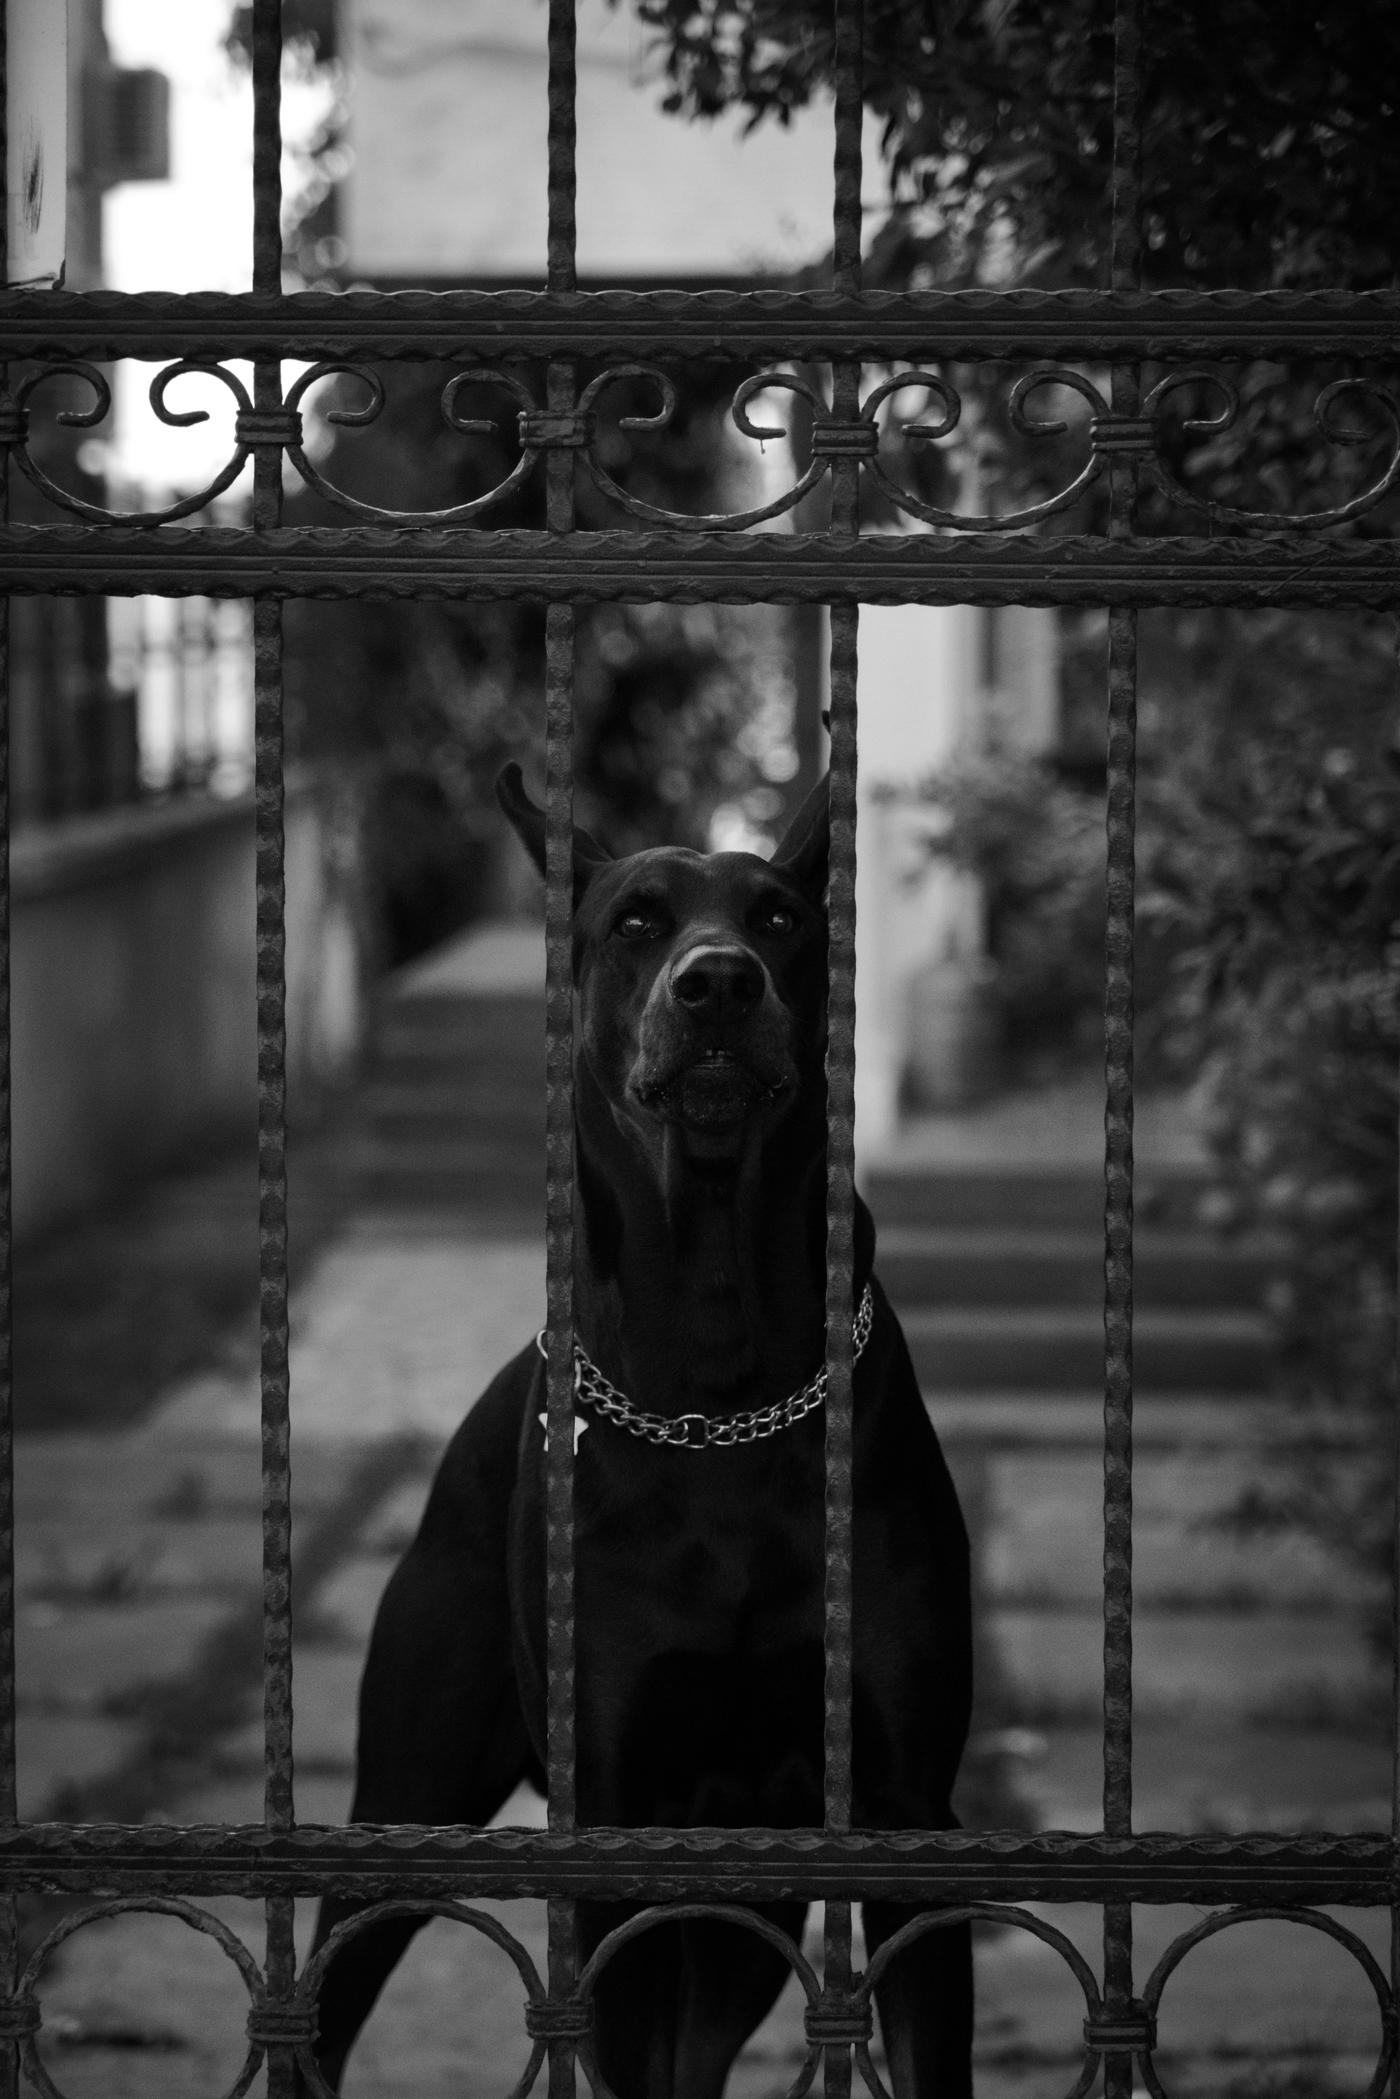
point(488, 1167)
point(959, 1197)
point(445, 1027)
point(1007, 1264)
point(480, 1071)
point(1026, 1420)
point(443, 1110)
point(1061, 1350)
point(1262, 1664)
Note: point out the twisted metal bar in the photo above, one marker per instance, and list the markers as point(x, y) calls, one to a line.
point(700, 568)
point(1395, 1591)
point(840, 1240)
point(9, 1806)
point(814, 327)
point(272, 1046)
point(840, 1060)
point(559, 650)
point(906, 1866)
point(560, 402)
point(1125, 273)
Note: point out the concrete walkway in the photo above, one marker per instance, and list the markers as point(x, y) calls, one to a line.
point(138, 1580)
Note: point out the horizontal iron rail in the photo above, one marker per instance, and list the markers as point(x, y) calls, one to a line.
point(692, 567)
point(656, 1865)
point(875, 326)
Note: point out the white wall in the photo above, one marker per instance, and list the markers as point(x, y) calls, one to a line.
point(918, 702)
point(133, 961)
point(447, 131)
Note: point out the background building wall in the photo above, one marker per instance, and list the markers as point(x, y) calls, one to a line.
point(133, 970)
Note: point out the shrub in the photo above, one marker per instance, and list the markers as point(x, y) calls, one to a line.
point(1036, 847)
point(1271, 865)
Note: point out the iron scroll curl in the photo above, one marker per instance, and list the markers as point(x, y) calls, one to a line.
point(1031, 382)
point(369, 412)
point(14, 433)
point(719, 521)
point(1325, 415)
point(860, 437)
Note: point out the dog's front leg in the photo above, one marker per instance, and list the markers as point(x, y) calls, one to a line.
point(675, 2005)
point(925, 2003)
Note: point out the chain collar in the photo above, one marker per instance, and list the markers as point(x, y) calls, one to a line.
point(700, 1431)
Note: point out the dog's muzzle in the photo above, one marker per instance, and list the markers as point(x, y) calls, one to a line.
point(716, 1091)
point(715, 1051)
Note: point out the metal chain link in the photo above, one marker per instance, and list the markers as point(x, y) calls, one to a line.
point(700, 1431)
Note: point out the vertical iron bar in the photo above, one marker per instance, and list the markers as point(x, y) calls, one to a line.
point(9, 1800)
point(840, 1063)
point(559, 1047)
point(1393, 2083)
point(1125, 275)
point(268, 760)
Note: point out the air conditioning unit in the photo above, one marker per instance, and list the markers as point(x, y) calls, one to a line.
point(126, 125)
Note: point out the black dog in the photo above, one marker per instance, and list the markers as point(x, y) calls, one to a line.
point(700, 1140)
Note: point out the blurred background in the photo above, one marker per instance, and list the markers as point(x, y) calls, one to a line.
point(1268, 920)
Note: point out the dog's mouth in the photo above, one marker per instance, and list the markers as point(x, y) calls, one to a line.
point(714, 1092)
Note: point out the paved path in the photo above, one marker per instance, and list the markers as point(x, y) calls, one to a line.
point(138, 1578)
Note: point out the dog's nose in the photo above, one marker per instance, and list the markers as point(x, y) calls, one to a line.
point(717, 983)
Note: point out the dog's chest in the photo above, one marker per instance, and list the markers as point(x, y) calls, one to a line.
point(708, 1550)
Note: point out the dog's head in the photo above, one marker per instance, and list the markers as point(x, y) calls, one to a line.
point(701, 980)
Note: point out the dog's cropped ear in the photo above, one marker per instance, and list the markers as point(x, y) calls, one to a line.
point(527, 821)
point(804, 848)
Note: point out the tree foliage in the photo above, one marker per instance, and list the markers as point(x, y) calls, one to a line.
point(1271, 866)
point(1271, 129)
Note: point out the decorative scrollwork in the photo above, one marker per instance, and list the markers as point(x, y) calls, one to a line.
point(1324, 415)
point(369, 411)
point(539, 2005)
point(996, 1913)
point(833, 2019)
point(14, 432)
point(718, 1913)
point(716, 521)
point(834, 438)
point(1110, 437)
point(1316, 1920)
point(150, 1905)
point(1031, 382)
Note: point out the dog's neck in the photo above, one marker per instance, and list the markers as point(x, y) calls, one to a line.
point(697, 1289)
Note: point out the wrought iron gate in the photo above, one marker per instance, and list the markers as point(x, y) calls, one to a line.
point(656, 556)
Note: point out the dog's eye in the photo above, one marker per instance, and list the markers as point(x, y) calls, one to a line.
point(779, 918)
point(637, 925)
